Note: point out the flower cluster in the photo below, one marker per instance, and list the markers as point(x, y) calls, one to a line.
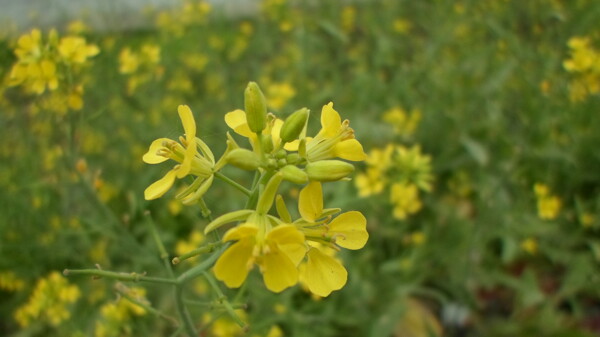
point(116, 315)
point(548, 205)
point(286, 250)
point(49, 301)
point(405, 170)
point(584, 63)
point(140, 66)
point(51, 63)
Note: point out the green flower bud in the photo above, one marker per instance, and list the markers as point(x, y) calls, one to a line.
point(294, 174)
point(293, 125)
point(292, 158)
point(266, 143)
point(281, 154)
point(328, 170)
point(281, 162)
point(244, 159)
point(256, 107)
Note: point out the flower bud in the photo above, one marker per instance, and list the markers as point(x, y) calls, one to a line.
point(292, 158)
point(256, 107)
point(293, 125)
point(266, 143)
point(244, 159)
point(328, 170)
point(294, 174)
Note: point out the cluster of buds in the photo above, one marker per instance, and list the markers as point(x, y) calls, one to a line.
point(286, 250)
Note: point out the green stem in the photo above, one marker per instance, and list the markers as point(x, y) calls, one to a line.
point(215, 305)
point(209, 248)
point(223, 299)
point(132, 277)
point(195, 271)
point(184, 314)
point(231, 182)
point(149, 308)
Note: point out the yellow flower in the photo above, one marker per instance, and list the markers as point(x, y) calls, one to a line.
point(190, 160)
point(413, 167)
point(334, 140)
point(73, 49)
point(548, 205)
point(530, 245)
point(370, 183)
point(49, 301)
point(128, 61)
point(322, 273)
point(276, 251)
point(403, 123)
point(10, 282)
point(279, 94)
point(405, 198)
point(238, 122)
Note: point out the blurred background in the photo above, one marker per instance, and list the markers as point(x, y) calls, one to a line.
point(481, 190)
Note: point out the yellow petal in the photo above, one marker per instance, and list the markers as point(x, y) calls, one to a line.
point(240, 232)
point(330, 121)
point(190, 153)
point(232, 267)
point(310, 202)
point(350, 149)
point(189, 125)
point(290, 241)
point(275, 131)
point(236, 120)
point(323, 273)
point(151, 157)
point(350, 230)
point(160, 187)
point(279, 272)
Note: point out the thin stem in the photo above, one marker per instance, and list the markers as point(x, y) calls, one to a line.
point(209, 248)
point(184, 313)
point(215, 305)
point(149, 308)
point(231, 182)
point(132, 277)
point(223, 299)
point(195, 271)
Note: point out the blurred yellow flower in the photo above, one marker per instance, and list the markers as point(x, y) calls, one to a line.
point(279, 94)
point(548, 205)
point(405, 199)
point(49, 301)
point(530, 245)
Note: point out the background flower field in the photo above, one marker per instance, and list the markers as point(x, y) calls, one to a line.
point(481, 190)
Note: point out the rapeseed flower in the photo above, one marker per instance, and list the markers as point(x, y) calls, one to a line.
point(49, 302)
point(323, 273)
point(194, 158)
point(548, 205)
point(405, 199)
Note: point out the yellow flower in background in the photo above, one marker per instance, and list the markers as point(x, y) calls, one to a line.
point(279, 94)
point(128, 61)
point(10, 282)
point(548, 205)
point(530, 245)
point(405, 199)
point(413, 167)
point(75, 50)
point(584, 64)
point(192, 154)
point(404, 123)
point(49, 301)
point(195, 239)
point(115, 317)
point(276, 251)
point(371, 182)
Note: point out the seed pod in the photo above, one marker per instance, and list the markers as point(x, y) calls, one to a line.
point(256, 107)
point(328, 170)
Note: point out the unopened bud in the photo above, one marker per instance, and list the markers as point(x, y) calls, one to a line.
point(292, 158)
point(256, 107)
point(294, 174)
point(266, 143)
point(244, 159)
point(328, 170)
point(265, 201)
point(293, 125)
